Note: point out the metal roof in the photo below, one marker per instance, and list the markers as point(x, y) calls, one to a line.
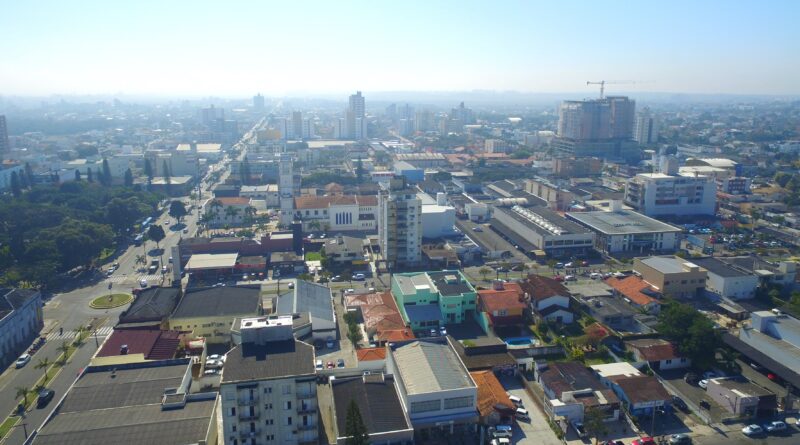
point(429, 366)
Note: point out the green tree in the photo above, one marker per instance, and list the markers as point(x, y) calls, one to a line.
point(354, 334)
point(89, 175)
point(156, 233)
point(77, 175)
point(594, 424)
point(79, 331)
point(22, 392)
point(359, 170)
point(354, 428)
point(691, 331)
point(105, 179)
point(64, 348)
point(484, 271)
point(16, 189)
point(177, 210)
point(148, 171)
point(128, 178)
point(44, 364)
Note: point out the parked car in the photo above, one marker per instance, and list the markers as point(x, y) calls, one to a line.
point(522, 414)
point(477, 229)
point(340, 363)
point(570, 278)
point(434, 332)
point(691, 378)
point(679, 403)
point(291, 285)
point(500, 441)
point(359, 277)
point(214, 364)
point(45, 396)
point(329, 365)
point(570, 264)
point(318, 365)
point(23, 360)
point(578, 426)
point(559, 266)
point(349, 291)
point(501, 431)
point(680, 439)
point(703, 383)
point(595, 276)
point(752, 430)
point(329, 343)
point(515, 400)
point(210, 372)
point(216, 357)
point(776, 427)
point(646, 440)
point(442, 330)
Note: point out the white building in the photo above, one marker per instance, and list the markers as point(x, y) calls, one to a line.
point(268, 386)
point(337, 213)
point(437, 221)
point(265, 196)
point(21, 319)
point(435, 387)
point(400, 224)
point(728, 280)
point(660, 194)
point(627, 231)
point(645, 129)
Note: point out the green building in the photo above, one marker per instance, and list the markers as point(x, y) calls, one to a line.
point(431, 299)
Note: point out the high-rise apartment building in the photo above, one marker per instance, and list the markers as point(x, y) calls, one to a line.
point(646, 128)
point(297, 124)
point(286, 187)
point(463, 114)
point(667, 194)
point(598, 127)
point(357, 104)
point(268, 387)
point(623, 113)
point(400, 224)
point(258, 102)
point(5, 146)
point(355, 118)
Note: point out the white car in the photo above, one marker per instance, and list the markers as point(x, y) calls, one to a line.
point(595, 276)
point(143, 282)
point(776, 427)
point(23, 360)
point(703, 383)
point(349, 291)
point(500, 441)
point(752, 430)
point(216, 357)
point(570, 278)
point(318, 365)
point(214, 364)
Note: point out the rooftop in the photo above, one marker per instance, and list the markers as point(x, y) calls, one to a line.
point(205, 261)
point(720, 268)
point(377, 399)
point(219, 302)
point(668, 264)
point(621, 222)
point(544, 221)
point(153, 344)
point(323, 202)
point(450, 283)
point(613, 369)
point(306, 297)
point(288, 358)
point(509, 297)
point(641, 388)
point(541, 288)
point(151, 304)
point(742, 386)
point(490, 392)
point(632, 288)
point(12, 299)
point(654, 349)
point(430, 365)
point(423, 312)
point(370, 354)
point(233, 201)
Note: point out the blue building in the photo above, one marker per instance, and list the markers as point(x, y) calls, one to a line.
point(21, 319)
point(412, 174)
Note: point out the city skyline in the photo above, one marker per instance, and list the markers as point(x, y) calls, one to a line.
point(181, 49)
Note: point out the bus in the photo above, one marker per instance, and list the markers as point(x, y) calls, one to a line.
point(146, 223)
point(138, 240)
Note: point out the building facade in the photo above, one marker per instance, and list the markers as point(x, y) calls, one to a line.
point(21, 319)
point(659, 194)
point(399, 224)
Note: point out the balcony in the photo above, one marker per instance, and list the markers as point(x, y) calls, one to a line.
point(247, 401)
point(305, 409)
point(243, 415)
point(306, 394)
point(250, 433)
point(307, 427)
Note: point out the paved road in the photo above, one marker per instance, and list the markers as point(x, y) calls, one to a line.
point(537, 431)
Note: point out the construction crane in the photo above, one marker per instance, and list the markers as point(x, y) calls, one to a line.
point(603, 83)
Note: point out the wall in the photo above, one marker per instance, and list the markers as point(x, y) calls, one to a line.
point(735, 288)
point(739, 404)
point(18, 329)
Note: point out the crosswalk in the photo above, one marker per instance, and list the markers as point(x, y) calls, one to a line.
point(131, 279)
point(69, 335)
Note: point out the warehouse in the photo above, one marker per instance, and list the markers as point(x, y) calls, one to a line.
point(538, 228)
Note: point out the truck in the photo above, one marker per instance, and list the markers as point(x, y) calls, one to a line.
point(153, 267)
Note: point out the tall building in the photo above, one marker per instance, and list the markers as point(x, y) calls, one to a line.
point(667, 194)
point(400, 224)
point(598, 127)
point(623, 113)
point(210, 116)
point(5, 147)
point(297, 124)
point(645, 130)
point(357, 104)
point(268, 387)
point(286, 188)
point(258, 102)
point(355, 118)
point(463, 114)
point(423, 120)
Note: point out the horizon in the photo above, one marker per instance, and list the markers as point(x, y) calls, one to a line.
point(314, 49)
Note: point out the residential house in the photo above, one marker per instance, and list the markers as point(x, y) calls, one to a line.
point(430, 299)
point(311, 303)
point(435, 387)
point(502, 305)
point(268, 387)
point(209, 312)
point(379, 404)
point(494, 406)
point(571, 389)
point(636, 292)
point(378, 312)
point(657, 353)
point(639, 393)
point(549, 298)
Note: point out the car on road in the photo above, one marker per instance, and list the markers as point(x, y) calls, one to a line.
point(337, 278)
point(110, 272)
point(703, 383)
point(776, 427)
point(613, 442)
point(186, 230)
point(522, 414)
point(349, 291)
point(500, 441)
point(359, 277)
point(570, 264)
point(143, 282)
point(477, 229)
point(501, 431)
point(291, 285)
point(752, 430)
point(45, 396)
point(595, 276)
point(559, 266)
point(680, 439)
point(442, 330)
point(163, 269)
point(646, 440)
point(23, 360)
point(318, 365)
point(329, 343)
point(570, 278)
point(679, 403)
point(340, 363)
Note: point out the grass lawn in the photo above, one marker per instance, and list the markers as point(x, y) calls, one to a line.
point(596, 361)
point(313, 256)
point(6, 426)
point(115, 300)
point(105, 253)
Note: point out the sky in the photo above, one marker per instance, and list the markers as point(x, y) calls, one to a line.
point(237, 48)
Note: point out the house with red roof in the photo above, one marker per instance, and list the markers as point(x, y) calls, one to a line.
point(658, 353)
point(502, 305)
point(636, 292)
point(139, 345)
point(493, 404)
point(549, 298)
point(227, 211)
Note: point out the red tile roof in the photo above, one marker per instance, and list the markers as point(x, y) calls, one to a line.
point(233, 201)
point(541, 288)
point(490, 392)
point(510, 297)
point(369, 354)
point(641, 388)
point(153, 343)
point(654, 350)
point(631, 287)
point(379, 311)
point(396, 335)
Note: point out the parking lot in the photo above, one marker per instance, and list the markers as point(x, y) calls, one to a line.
point(537, 431)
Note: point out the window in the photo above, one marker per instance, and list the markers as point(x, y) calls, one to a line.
point(233, 411)
point(268, 390)
point(458, 402)
point(429, 405)
point(288, 404)
point(270, 437)
point(233, 428)
point(267, 406)
point(269, 422)
point(289, 420)
point(669, 362)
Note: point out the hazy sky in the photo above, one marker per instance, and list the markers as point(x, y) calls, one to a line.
point(237, 48)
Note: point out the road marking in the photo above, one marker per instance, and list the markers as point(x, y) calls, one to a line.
point(69, 335)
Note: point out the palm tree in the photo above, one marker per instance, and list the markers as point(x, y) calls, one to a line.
point(484, 271)
point(44, 364)
point(232, 212)
point(524, 270)
point(22, 391)
point(63, 348)
point(79, 334)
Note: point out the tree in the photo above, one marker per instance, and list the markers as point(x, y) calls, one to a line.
point(359, 170)
point(524, 270)
point(16, 190)
point(594, 424)
point(128, 178)
point(63, 348)
point(89, 175)
point(77, 175)
point(22, 392)
point(79, 331)
point(177, 210)
point(691, 331)
point(44, 364)
point(354, 428)
point(484, 271)
point(105, 179)
point(354, 334)
point(148, 171)
point(156, 233)
point(551, 263)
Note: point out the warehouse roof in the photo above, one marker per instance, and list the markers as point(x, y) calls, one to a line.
point(430, 365)
point(621, 222)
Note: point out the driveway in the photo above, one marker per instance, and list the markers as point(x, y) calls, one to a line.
point(537, 431)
